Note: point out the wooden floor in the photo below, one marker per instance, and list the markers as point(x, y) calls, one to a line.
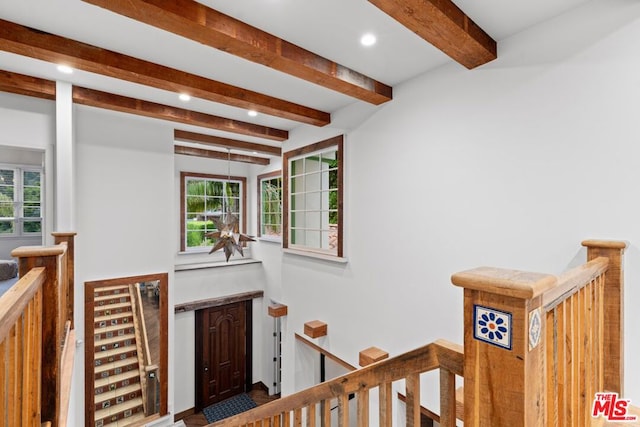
point(259, 396)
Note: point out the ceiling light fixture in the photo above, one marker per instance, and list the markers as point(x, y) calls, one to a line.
point(368, 39)
point(184, 97)
point(65, 69)
point(252, 113)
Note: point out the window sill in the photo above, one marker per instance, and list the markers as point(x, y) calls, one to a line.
point(202, 257)
point(204, 250)
point(270, 239)
point(316, 255)
point(215, 264)
point(20, 236)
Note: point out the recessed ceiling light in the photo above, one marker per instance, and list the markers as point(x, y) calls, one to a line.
point(184, 97)
point(252, 113)
point(65, 69)
point(368, 39)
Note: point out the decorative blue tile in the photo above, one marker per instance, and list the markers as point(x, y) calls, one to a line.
point(535, 328)
point(492, 326)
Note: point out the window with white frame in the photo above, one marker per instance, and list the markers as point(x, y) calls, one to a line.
point(270, 206)
point(204, 198)
point(313, 197)
point(20, 201)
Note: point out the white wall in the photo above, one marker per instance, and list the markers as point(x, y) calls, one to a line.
point(510, 165)
point(26, 122)
point(27, 133)
point(124, 215)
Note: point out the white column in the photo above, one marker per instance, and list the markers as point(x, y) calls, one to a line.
point(64, 159)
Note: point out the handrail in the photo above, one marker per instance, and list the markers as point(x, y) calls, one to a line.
point(148, 370)
point(141, 344)
point(438, 355)
point(571, 281)
point(348, 366)
point(143, 326)
point(15, 300)
point(66, 371)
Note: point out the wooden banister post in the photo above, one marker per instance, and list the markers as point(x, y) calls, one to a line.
point(35, 256)
point(504, 355)
point(69, 238)
point(613, 310)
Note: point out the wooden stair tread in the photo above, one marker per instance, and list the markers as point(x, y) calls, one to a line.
point(120, 363)
point(112, 328)
point(114, 316)
point(103, 382)
point(126, 421)
point(114, 352)
point(112, 306)
point(112, 394)
point(116, 409)
point(117, 338)
point(113, 296)
point(113, 288)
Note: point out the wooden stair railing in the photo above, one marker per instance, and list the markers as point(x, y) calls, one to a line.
point(538, 347)
point(148, 370)
point(20, 334)
point(314, 404)
point(37, 341)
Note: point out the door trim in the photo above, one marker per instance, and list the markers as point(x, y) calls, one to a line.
point(217, 302)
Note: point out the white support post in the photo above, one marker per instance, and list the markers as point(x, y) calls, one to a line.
point(64, 158)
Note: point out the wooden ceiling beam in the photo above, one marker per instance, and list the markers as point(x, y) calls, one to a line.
point(200, 23)
point(210, 154)
point(217, 141)
point(27, 85)
point(42, 88)
point(37, 44)
point(444, 25)
point(96, 98)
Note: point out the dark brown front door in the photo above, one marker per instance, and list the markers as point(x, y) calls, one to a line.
point(221, 353)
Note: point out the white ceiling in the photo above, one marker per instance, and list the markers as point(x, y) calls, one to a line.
point(330, 28)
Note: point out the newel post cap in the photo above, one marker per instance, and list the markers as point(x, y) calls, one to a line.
point(501, 281)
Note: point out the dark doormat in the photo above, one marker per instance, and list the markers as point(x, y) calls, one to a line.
point(232, 406)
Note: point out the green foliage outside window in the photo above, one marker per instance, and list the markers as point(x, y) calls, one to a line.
point(20, 201)
point(271, 206)
point(207, 199)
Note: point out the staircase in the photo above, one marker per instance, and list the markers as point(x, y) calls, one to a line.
point(118, 390)
point(560, 342)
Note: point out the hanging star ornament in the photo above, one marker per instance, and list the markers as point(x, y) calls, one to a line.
point(229, 238)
